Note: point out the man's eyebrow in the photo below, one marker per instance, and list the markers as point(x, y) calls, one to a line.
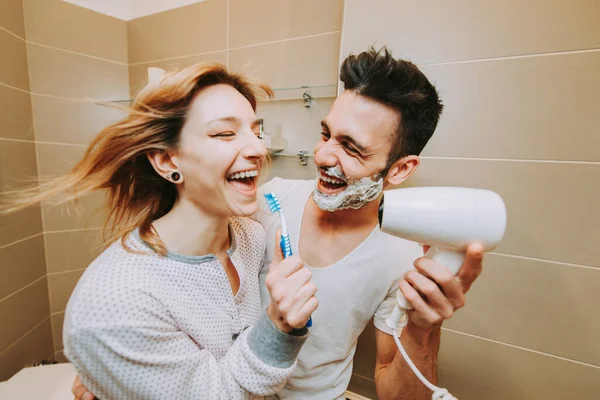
point(348, 138)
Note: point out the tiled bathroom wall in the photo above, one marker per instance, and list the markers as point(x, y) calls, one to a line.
point(58, 62)
point(25, 328)
point(286, 44)
point(521, 90)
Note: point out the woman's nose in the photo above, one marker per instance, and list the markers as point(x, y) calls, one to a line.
point(254, 147)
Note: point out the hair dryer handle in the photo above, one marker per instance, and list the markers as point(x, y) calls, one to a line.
point(451, 259)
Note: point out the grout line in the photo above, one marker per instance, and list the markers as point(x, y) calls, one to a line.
point(73, 230)
point(63, 50)
point(15, 88)
point(546, 261)
point(500, 58)
point(176, 58)
point(285, 40)
point(524, 160)
point(20, 240)
point(339, 81)
point(25, 334)
point(522, 348)
point(51, 96)
point(227, 37)
point(40, 142)
point(12, 33)
point(77, 53)
point(363, 377)
point(56, 313)
point(66, 272)
point(23, 288)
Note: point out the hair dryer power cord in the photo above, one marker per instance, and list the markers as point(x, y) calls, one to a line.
point(438, 393)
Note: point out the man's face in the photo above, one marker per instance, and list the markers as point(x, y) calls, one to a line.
point(353, 151)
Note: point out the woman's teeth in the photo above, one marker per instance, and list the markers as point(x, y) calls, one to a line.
point(243, 175)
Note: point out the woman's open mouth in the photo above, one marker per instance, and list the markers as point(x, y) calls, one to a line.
point(244, 182)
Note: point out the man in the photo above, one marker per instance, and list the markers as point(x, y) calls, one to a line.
point(370, 140)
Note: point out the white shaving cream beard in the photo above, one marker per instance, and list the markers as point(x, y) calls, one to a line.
point(356, 195)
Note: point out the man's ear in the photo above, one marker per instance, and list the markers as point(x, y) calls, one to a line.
point(402, 169)
point(165, 165)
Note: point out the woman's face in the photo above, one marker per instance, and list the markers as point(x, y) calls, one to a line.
point(220, 154)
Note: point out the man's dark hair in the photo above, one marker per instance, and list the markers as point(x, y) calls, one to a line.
point(400, 85)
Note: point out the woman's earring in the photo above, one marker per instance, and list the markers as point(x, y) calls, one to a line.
point(175, 176)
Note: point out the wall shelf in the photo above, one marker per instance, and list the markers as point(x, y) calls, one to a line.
point(281, 94)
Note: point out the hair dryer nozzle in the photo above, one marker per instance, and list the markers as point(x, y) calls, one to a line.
point(450, 217)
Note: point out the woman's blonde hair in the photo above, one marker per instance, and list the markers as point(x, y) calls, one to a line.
point(116, 160)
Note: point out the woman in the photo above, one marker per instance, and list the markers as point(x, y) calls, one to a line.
point(172, 309)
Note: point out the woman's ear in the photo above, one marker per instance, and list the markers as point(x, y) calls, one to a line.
point(165, 165)
point(402, 169)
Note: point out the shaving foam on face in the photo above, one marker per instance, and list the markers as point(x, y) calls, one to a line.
point(357, 193)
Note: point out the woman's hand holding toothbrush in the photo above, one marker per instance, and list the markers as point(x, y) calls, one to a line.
point(292, 291)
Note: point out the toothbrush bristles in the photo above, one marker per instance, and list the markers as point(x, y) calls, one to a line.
point(272, 202)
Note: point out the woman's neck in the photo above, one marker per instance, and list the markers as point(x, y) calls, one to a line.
point(188, 230)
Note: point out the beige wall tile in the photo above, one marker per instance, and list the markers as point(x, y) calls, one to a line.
point(362, 386)
point(193, 29)
point(552, 207)
point(138, 74)
point(290, 168)
point(18, 166)
point(17, 170)
point(55, 160)
point(32, 348)
point(252, 22)
point(22, 264)
point(57, 329)
point(284, 64)
point(22, 311)
point(431, 32)
point(13, 65)
point(59, 357)
point(68, 121)
point(73, 250)
point(20, 225)
point(533, 108)
point(292, 126)
point(60, 287)
point(537, 305)
point(364, 358)
point(472, 368)
point(59, 73)
point(16, 120)
point(66, 26)
point(88, 213)
point(11, 16)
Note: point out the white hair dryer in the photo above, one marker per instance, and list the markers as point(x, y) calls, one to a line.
point(448, 219)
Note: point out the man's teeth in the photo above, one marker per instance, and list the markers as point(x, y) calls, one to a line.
point(332, 180)
point(245, 174)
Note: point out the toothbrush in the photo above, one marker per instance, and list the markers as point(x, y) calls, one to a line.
point(285, 244)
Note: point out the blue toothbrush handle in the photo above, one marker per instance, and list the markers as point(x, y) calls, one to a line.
point(286, 249)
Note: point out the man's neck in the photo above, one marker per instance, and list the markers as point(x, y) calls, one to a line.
point(188, 230)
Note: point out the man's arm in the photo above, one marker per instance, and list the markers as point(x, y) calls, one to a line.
point(435, 295)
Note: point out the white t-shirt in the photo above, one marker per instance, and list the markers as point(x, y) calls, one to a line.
point(355, 289)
